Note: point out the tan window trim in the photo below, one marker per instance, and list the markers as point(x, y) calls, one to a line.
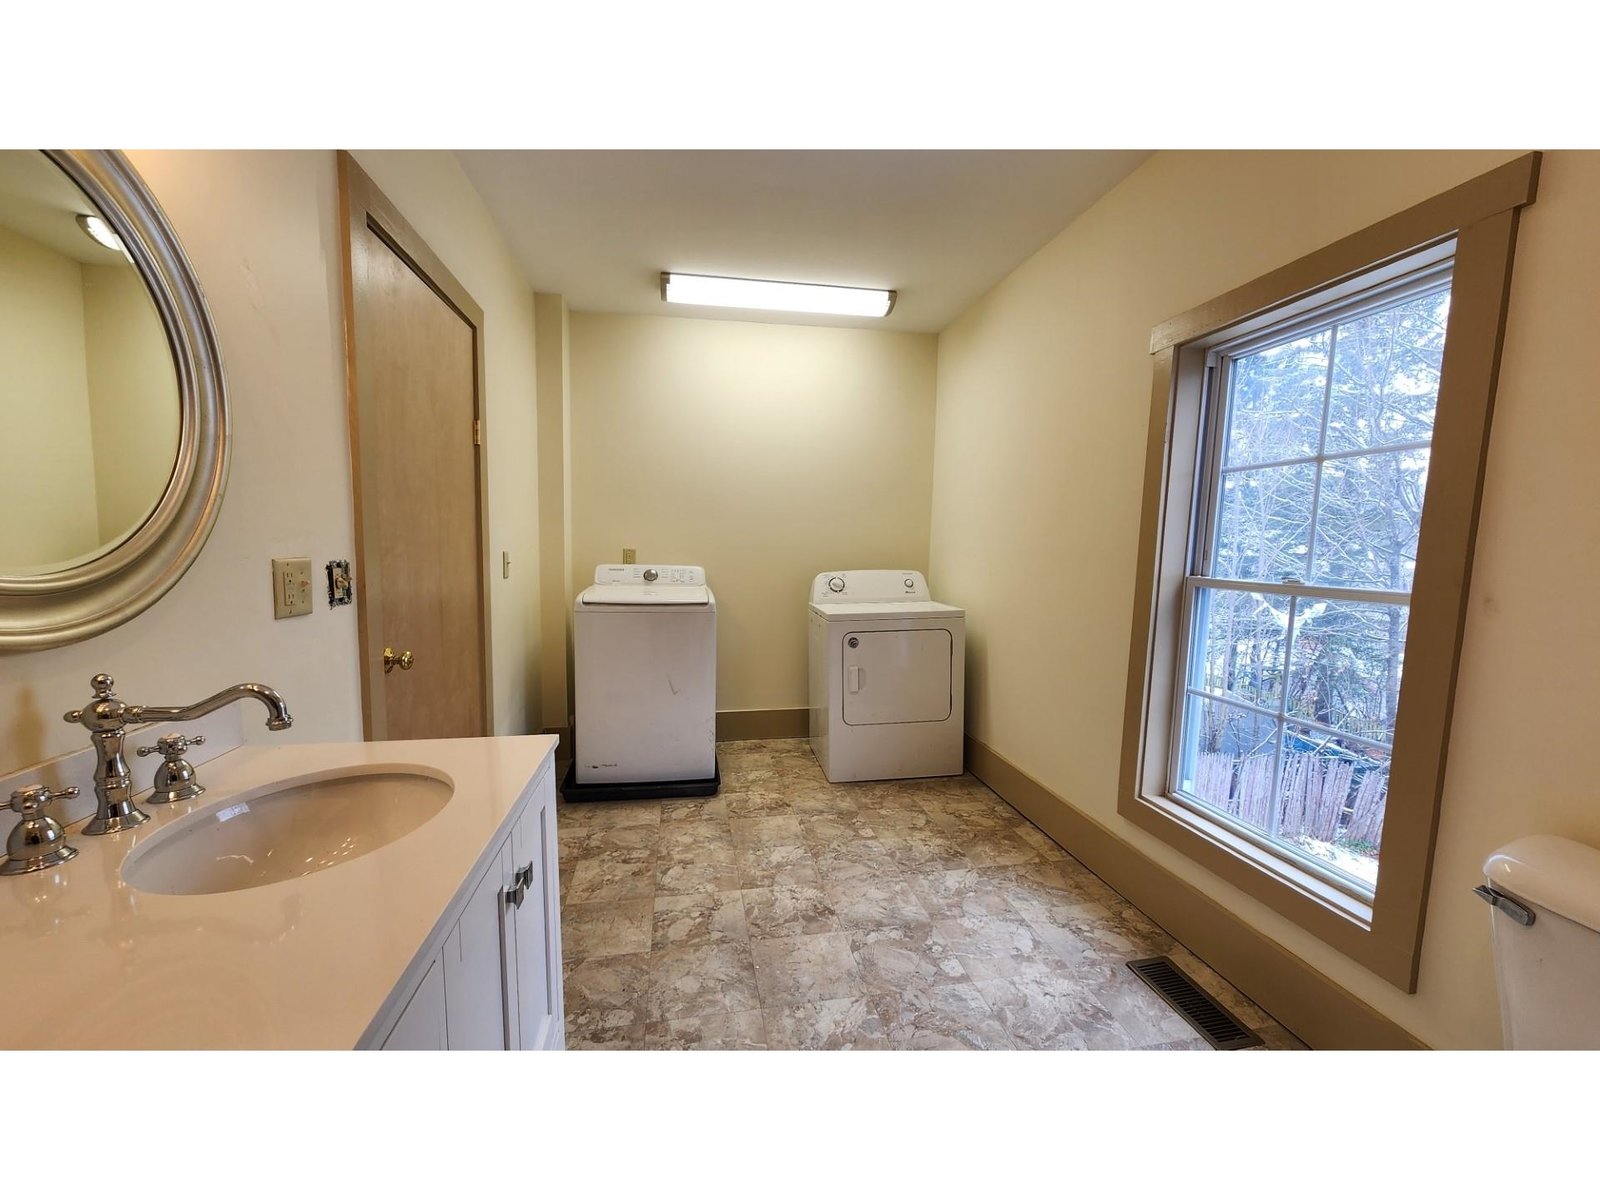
point(1481, 215)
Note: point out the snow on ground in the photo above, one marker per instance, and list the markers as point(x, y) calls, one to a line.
point(1362, 866)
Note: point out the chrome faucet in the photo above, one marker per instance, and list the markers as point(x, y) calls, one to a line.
point(107, 719)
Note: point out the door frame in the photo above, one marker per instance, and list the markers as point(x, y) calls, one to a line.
point(363, 206)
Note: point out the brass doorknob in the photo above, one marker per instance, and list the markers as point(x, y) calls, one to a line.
point(404, 660)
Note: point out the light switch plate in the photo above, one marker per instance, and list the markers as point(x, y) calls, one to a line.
point(291, 587)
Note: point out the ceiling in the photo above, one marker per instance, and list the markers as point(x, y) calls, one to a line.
point(939, 226)
point(38, 201)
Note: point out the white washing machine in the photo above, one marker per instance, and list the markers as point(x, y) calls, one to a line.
point(888, 677)
point(644, 648)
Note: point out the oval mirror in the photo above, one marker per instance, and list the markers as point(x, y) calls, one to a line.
point(112, 397)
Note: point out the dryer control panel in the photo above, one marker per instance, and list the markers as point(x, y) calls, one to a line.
point(868, 587)
point(644, 574)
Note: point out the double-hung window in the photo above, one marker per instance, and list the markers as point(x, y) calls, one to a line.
point(1312, 480)
point(1308, 507)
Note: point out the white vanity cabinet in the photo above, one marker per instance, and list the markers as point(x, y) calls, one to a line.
point(493, 981)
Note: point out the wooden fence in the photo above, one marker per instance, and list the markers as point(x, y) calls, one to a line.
point(1322, 798)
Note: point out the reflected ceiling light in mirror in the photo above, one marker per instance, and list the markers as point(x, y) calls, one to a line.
point(97, 228)
point(719, 291)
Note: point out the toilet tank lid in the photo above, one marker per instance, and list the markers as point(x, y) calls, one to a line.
point(1556, 873)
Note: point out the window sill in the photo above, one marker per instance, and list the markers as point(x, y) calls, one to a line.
point(1343, 921)
point(1275, 867)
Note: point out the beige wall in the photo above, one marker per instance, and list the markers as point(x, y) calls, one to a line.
point(1043, 402)
point(765, 453)
point(555, 507)
point(133, 398)
point(262, 231)
point(47, 512)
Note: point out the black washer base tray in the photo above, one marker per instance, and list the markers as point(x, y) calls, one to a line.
point(672, 789)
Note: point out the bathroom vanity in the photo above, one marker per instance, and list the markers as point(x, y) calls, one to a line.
point(399, 895)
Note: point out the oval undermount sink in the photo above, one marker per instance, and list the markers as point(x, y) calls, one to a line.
point(286, 830)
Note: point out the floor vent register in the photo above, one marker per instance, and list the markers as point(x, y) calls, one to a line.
point(1191, 1002)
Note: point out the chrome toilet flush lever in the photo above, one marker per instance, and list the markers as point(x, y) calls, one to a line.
point(36, 842)
point(107, 719)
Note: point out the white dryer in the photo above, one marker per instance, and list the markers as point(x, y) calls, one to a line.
point(644, 649)
point(887, 677)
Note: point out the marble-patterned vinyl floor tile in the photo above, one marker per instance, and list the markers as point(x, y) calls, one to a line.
point(623, 844)
point(876, 902)
point(900, 914)
point(957, 894)
point(894, 960)
point(806, 969)
point(825, 830)
point(764, 865)
point(697, 918)
point(757, 800)
point(601, 928)
point(591, 815)
point(1047, 1012)
point(703, 980)
point(998, 946)
point(1102, 936)
point(1041, 841)
point(1057, 880)
point(997, 848)
point(609, 993)
point(767, 829)
point(722, 1031)
point(606, 879)
point(625, 1037)
point(1146, 1017)
point(855, 858)
point(947, 1016)
point(843, 1023)
point(921, 850)
point(698, 808)
point(695, 841)
point(685, 878)
point(786, 910)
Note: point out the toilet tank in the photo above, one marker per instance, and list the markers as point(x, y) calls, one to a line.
point(1549, 971)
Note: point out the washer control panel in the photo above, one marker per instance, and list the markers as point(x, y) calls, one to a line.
point(643, 574)
point(868, 587)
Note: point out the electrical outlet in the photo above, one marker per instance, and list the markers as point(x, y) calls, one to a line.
point(291, 587)
point(629, 554)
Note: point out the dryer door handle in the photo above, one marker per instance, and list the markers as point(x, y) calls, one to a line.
point(853, 678)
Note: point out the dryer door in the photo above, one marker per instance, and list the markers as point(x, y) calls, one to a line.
point(896, 676)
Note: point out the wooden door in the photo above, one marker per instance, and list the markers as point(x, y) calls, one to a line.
point(414, 347)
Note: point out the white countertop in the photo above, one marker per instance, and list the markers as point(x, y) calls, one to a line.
point(88, 962)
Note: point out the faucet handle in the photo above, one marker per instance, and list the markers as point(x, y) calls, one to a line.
point(30, 800)
point(172, 745)
point(37, 842)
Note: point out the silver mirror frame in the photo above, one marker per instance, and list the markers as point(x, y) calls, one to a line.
point(89, 598)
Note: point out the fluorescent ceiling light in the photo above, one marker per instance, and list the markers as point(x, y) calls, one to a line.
point(97, 228)
point(721, 292)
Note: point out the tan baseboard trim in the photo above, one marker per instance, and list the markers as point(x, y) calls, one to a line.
point(1309, 1004)
point(748, 724)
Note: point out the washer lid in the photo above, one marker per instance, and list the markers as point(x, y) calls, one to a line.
point(627, 595)
point(895, 610)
